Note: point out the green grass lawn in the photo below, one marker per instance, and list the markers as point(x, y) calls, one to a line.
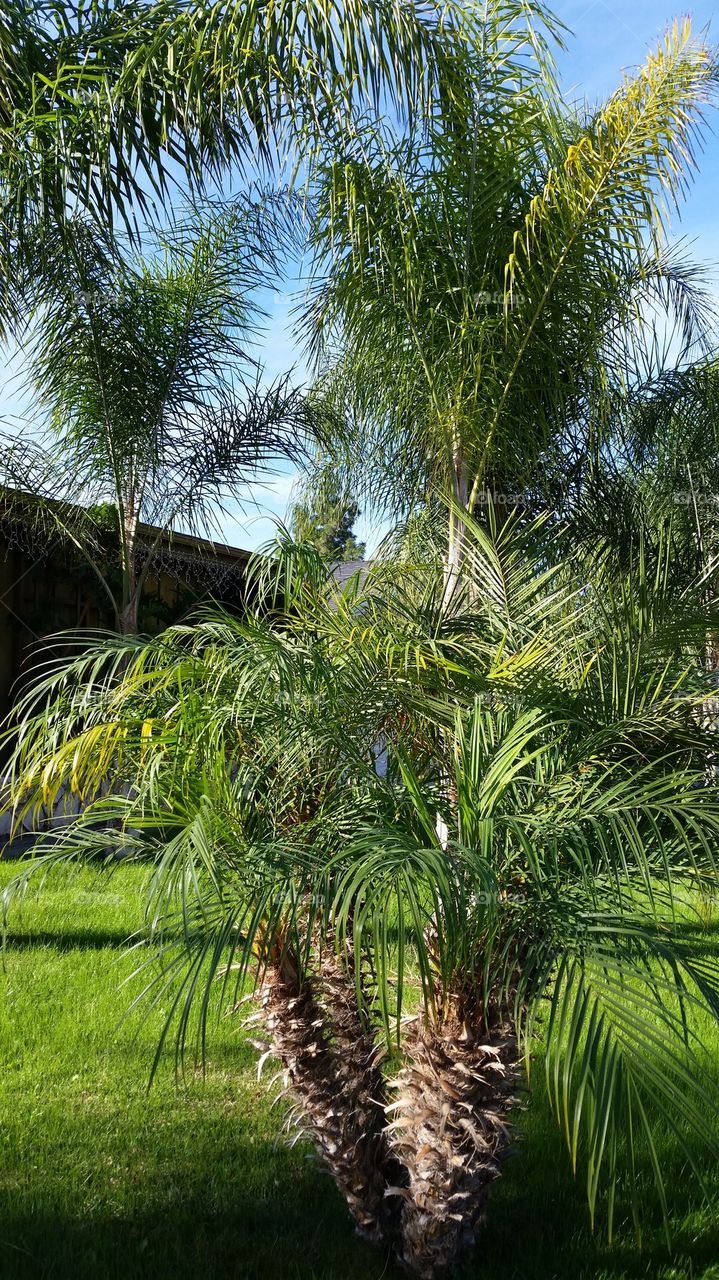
point(101, 1178)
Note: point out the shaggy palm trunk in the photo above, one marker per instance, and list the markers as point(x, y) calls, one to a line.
point(330, 1061)
point(448, 1126)
point(415, 1171)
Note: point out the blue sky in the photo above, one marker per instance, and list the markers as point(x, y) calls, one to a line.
point(605, 39)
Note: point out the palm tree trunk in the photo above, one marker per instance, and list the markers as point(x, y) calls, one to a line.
point(416, 1171)
point(130, 591)
point(457, 528)
point(449, 1130)
point(128, 617)
point(314, 1029)
point(452, 569)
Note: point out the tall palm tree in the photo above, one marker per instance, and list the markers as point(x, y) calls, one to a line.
point(286, 772)
point(475, 299)
point(149, 394)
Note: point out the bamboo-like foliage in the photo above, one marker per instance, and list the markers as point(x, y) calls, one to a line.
point(285, 773)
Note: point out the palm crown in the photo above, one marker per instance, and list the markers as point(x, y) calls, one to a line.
point(475, 299)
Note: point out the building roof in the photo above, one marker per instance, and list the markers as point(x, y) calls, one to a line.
point(16, 509)
point(346, 569)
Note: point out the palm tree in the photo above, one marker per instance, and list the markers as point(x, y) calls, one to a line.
point(103, 106)
point(656, 474)
point(153, 403)
point(652, 489)
point(286, 771)
point(477, 300)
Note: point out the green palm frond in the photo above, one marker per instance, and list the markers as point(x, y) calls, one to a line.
point(201, 85)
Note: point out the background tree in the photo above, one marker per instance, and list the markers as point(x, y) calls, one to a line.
point(326, 518)
point(145, 381)
point(656, 475)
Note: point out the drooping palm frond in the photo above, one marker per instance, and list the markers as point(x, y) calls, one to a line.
point(104, 107)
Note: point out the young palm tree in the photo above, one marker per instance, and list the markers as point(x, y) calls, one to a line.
point(145, 381)
point(286, 772)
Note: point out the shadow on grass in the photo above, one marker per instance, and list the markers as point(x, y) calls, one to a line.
point(538, 1224)
point(301, 1232)
point(191, 1244)
point(282, 1227)
point(82, 940)
point(230, 1206)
